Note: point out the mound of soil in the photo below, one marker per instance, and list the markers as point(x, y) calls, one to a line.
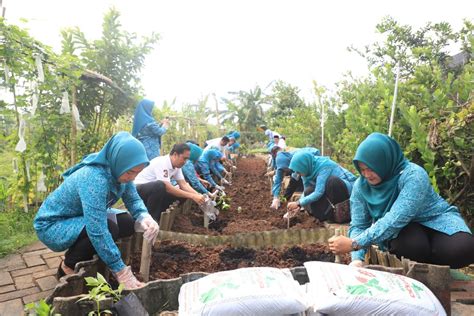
point(170, 259)
point(250, 193)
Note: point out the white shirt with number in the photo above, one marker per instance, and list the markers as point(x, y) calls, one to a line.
point(160, 168)
point(214, 143)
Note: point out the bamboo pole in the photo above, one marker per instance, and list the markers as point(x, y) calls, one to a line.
point(73, 128)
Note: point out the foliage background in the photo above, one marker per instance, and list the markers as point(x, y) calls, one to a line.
point(433, 120)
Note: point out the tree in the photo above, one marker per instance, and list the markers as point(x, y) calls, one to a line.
point(284, 100)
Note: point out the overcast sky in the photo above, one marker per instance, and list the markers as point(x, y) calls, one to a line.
point(216, 46)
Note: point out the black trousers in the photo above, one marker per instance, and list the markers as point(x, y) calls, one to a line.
point(155, 197)
point(293, 186)
point(335, 191)
point(422, 244)
point(83, 249)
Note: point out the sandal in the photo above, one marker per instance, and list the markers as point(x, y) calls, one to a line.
point(60, 273)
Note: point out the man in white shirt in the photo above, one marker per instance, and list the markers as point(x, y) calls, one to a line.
point(154, 182)
point(218, 143)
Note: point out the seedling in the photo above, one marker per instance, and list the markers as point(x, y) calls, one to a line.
point(40, 308)
point(223, 202)
point(100, 291)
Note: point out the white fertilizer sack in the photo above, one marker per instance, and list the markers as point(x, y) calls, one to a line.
point(246, 291)
point(336, 289)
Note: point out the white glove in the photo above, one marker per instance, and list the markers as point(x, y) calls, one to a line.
point(234, 167)
point(212, 195)
point(126, 277)
point(357, 263)
point(220, 188)
point(148, 226)
point(224, 181)
point(275, 204)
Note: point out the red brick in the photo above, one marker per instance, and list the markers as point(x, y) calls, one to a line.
point(36, 253)
point(52, 254)
point(11, 308)
point(53, 262)
point(36, 297)
point(28, 270)
point(18, 265)
point(10, 260)
point(35, 246)
point(47, 283)
point(462, 286)
point(7, 288)
point(5, 278)
point(42, 274)
point(32, 261)
point(463, 297)
point(18, 294)
point(24, 282)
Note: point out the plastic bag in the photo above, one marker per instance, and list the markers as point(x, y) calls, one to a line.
point(21, 145)
point(65, 108)
point(209, 209)
point(39, 68)
point(77, 117)
point(7, 72)
point(41, 186)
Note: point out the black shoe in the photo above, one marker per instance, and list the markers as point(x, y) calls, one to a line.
point(60, 273)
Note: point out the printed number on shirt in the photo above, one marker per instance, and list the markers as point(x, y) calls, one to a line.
point(165, 173)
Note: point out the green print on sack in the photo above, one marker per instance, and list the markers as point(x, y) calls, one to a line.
point(216, 292)
point(365, 288)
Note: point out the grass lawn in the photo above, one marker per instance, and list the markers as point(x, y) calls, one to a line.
point(16, 230)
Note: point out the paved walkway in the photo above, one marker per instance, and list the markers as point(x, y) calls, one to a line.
point(26, 277)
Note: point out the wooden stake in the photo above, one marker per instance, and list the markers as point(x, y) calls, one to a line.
point(337, 232)
point(145, 260)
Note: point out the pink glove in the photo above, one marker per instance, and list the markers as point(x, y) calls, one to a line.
point(148, 226)
point(126, 277)
point(357, 263)
point(275, 204)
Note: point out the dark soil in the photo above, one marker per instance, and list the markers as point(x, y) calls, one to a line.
point(251, 191)
point(170, 259)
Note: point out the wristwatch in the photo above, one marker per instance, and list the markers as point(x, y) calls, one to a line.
point(355, 245)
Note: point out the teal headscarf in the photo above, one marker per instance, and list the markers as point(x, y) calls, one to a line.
point(121, 153)
point(143, 115)
point(211, 154)
point(310, 165)
point(195, 152)
point(234, 134)
point(383, 155)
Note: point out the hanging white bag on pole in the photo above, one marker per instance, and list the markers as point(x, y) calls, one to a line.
point(34, 98)
point(41, 186)
point(77, 117)
point(21, 145)
point(337, 289)
point(39, 68)
point(7, 72)
point(65, 108)
point(247, 291)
